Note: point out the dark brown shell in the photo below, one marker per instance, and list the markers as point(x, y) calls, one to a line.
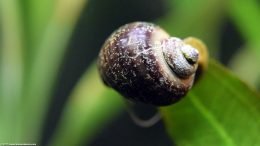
point(132, 62)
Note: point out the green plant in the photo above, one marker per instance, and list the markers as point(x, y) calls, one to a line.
point(34, 35)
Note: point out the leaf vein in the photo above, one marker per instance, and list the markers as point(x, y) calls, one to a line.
point(208, 115)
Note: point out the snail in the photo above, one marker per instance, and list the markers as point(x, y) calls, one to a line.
point(145, 64)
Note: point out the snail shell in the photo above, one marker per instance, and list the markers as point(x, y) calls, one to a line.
point(143, 63)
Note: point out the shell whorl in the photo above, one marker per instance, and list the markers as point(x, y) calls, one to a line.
point(182, 58)
point(145, 64)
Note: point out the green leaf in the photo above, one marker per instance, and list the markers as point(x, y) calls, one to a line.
point(219, 111)
point(89, 108)
point(11, 68)
point(246, 15)
point(42, 74)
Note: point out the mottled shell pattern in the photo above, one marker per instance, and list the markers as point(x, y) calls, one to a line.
point(144, 64)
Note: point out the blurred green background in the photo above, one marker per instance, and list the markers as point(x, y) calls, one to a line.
point(47, 46)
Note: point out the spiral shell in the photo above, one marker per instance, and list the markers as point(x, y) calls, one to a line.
point(143, 63)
